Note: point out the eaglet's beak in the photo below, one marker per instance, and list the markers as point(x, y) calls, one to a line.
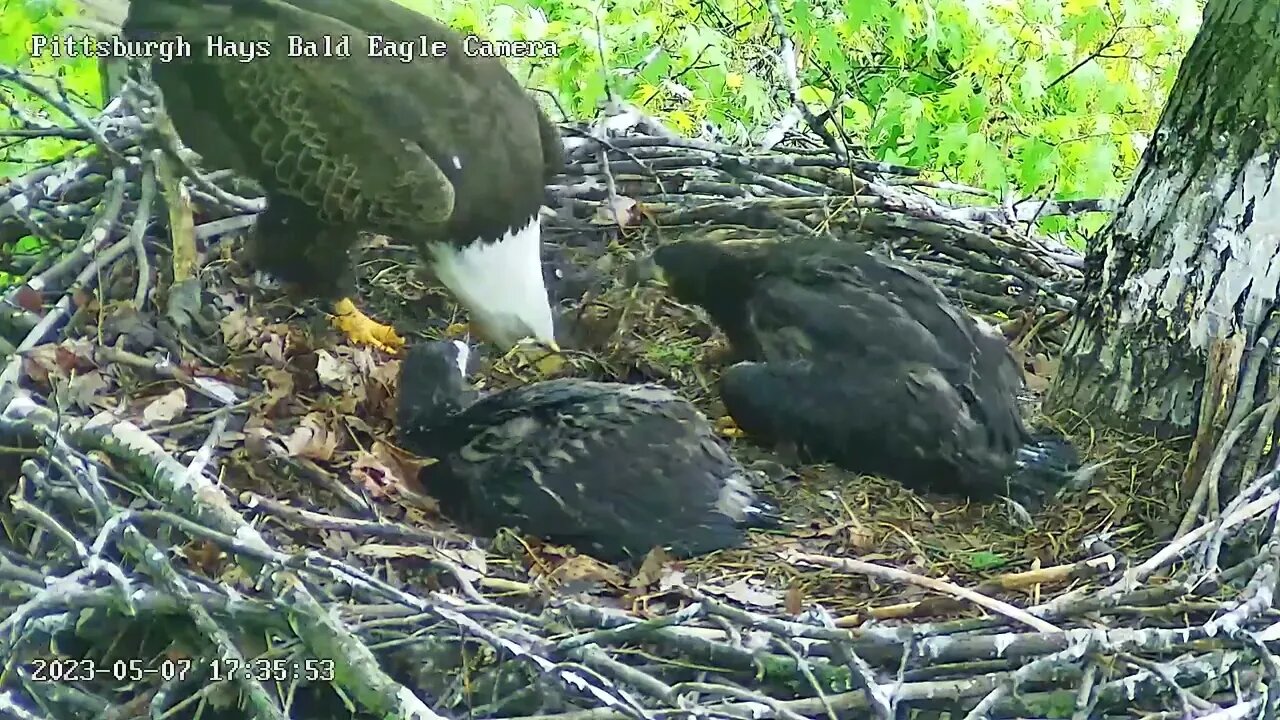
point(645, 271)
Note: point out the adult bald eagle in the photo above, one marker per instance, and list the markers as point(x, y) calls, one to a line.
point(857, 360)
point(446, 151)
point(614, 470)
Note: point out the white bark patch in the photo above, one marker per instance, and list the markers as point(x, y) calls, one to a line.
point(1214, 257)
point(1252, 269)
point(1140, 215)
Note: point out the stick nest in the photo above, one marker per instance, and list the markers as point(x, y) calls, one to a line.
point(205, 505)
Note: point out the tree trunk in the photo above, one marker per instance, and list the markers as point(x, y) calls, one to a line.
point(1186, 276)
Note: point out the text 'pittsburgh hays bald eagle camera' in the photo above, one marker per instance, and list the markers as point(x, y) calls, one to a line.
point(448, 152)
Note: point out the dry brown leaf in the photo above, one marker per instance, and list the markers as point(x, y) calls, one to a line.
point(56, 361)
point(206, 557)
point(259, 440)
point(361, 359)
point(383, 477)
point(82, 298)
point(620, 210)
point(165, 408)
point(332, 372)
point(1035, 383)
point(852, 536)
point(651, 570)
point(585, 569)
point(239, 329)
point(40, 363)
point(340, 542)
point(794, 600)
point(746, 594)
point(374, 475)
point(29, 299)
point(543, 548)
point(472, 563)
point(273, 348)
point(1040, 372)
point(75, 354)
point(415, 516)
point(380, 393)
point(280, 390)
point(84, 388)
point(312, 439)
point(671, 578)
point(407, 466)
point(386, 374)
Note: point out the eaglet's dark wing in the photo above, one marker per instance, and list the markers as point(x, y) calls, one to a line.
point(573, 460)
point(870, 314)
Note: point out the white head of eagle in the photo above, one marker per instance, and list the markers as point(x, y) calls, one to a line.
point(500, 283)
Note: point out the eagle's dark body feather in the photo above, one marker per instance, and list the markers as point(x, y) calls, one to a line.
point(614, 470)
point(447, 150)
point(857, 360)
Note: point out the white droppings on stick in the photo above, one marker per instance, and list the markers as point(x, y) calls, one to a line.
point(1002, 643)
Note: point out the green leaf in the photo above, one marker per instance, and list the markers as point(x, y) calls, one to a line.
point(952, 142)
point(656, 69)
point(1031, 82)
point(802, 20)
point(1091, 26)
point(862, 12)
point(29, 245)
point(754, 96)
point(986, 560)
point(832, 53)
point(995, 175)
point(954, 102)
point(1037, 164)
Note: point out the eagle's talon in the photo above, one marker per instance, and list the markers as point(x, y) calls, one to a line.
point(364, 330)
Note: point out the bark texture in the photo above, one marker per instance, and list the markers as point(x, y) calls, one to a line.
point(1186, 276)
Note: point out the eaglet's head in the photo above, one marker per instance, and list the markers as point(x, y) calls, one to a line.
point(432, 384)
point(700, 271)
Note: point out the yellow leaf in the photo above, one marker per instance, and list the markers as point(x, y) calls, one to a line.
point(681, 121)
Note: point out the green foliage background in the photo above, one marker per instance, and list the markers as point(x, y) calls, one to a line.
point(19, 21)
point(1018, 97)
